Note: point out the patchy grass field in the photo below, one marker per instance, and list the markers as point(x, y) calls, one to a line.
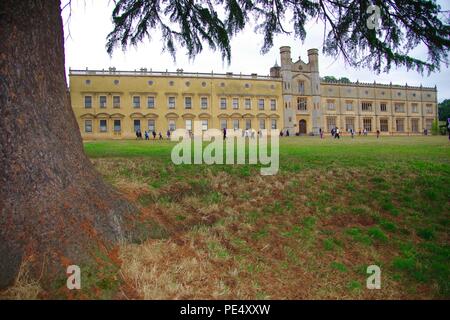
point(309, 232)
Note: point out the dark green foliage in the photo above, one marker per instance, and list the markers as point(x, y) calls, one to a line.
point(404, 25)
point(330, 79)
point(444, 110)
point(334, 79)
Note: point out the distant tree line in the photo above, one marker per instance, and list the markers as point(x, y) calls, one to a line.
point(444, 110)
point(334, 79)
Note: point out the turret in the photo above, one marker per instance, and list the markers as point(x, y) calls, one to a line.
point(313, 59)
point(316, 114)
point(285, 53)
point(275, 71)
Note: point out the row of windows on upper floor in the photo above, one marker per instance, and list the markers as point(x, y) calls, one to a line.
point(186, 83)
point(301, 90)
point(171, 103)
point(398, 124)
point(367, 106)
point(152, 125)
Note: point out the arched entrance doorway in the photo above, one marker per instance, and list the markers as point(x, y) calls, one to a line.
point(302, 126)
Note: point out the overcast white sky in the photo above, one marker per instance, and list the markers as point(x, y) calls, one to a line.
point(90, 23)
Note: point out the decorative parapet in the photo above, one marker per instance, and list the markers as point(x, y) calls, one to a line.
point(177, 73)
point(377, 85)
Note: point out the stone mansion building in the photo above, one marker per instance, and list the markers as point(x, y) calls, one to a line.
point(115, 104)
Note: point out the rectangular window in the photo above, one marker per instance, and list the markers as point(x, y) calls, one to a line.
point(223, 103)
point(151, 125)
point(235, 103)
point(248, 104)
point(273, 104)
point(204, 125)
point(116, 102)
point(172, 126)
point(414, 108)
point(367, 124)
point(429, 108)
point(274, 123)
point(117, 126)
point(204, 102)
point(415, 125)
point(301, 87)
point(188, 102)
point(428, 124)
point(384, 125)
point(399, 107)
point(103, 125)
point(301, 104)
point(88, 102)
point(102, 101)
point(248, 124)
point(366, 106)
point(171, 102)
point(188, 125)
point(137, 125)
point(349, 124)
point(349, 105)
point(223, 124)
point(151, 102)
point(262, 123)
point(331, 105)
point(261, 104)
point(88, 126)
point(383, 107)
point(331, 123)
point(136, 102)
point(400, 125)
point(235, 124)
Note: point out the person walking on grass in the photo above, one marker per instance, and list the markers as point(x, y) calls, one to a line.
point(378, 133)
point(448, 129)
point(160, 136)
point(168, 134)
point(321, 133)
point(337, 133)
point(352, 132)
point(224, 133)
point(154, 134)
point(146, 135)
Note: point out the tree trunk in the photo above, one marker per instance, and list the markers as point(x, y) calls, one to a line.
point(54, 206)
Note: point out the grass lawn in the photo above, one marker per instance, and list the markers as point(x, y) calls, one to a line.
point(309, 232)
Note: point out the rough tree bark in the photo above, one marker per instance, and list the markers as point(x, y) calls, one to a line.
point(54, 206)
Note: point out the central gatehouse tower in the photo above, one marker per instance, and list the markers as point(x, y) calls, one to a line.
point(301, 92)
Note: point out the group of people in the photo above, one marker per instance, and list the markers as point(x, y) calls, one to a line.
point(247, 133)
point(148, 133)
point(336, 133)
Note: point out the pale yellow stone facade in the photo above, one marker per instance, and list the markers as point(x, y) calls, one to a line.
point(114, 104)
